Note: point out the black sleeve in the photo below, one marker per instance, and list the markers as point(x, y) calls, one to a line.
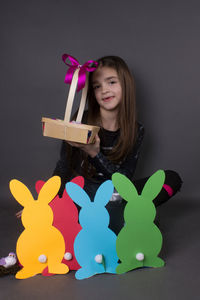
point(62, 168)
point(127, 167)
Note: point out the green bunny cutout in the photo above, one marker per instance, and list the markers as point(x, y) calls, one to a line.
point(139, 241)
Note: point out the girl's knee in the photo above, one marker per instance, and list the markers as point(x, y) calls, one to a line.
point(173, 180)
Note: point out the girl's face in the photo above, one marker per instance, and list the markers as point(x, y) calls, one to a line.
point(107, 88)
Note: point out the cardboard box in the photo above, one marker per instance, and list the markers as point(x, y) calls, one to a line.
point(73, 132)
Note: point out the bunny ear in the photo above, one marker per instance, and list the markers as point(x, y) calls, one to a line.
point(49, 189)
point(77, 194)
point(154, 185)
point(79, 180)
point(124, 186)
point(38, 185)
point(20, 192)
point(104, 193)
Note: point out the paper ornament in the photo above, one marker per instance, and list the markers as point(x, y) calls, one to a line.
point(9, 260)
point(66, 221)
point(95, 244)
point(139, 241)
point(40, 244)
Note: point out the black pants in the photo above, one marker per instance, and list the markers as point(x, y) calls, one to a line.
point(116, 208)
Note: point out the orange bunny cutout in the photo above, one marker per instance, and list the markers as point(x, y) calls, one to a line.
point(40, 244)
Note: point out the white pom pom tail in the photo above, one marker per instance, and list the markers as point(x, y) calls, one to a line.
point(99, 258)
point(140, 256)
point(42, 258)
point(68, 256)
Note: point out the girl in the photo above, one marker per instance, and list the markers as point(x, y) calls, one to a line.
point(111, 105)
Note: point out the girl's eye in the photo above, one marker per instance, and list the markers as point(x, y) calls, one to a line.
point(96, 87)
point(112, 82)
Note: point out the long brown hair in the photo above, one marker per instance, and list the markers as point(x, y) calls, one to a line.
point(127, 110)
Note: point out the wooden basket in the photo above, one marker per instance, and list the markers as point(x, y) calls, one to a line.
point(71, 131)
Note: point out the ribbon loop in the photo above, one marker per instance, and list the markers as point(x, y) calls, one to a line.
point(82, 72)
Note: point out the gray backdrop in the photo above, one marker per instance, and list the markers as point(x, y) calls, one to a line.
point(158, 39)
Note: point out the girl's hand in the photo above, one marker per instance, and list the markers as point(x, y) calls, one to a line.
point(19, 214)
point(91, 149)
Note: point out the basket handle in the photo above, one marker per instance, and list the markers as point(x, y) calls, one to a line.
point(70, 98)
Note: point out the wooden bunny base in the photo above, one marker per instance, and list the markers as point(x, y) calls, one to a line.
point(73, 132)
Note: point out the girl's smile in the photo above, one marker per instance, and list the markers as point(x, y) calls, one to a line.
point(107, 99)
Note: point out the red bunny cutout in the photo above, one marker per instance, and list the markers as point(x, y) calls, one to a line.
point(66, 221)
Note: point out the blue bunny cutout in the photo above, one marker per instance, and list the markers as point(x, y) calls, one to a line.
point(95, 244)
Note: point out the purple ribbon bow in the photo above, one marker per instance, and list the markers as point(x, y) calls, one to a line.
point(83, 69)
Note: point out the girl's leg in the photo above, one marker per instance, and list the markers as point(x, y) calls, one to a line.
point(116, 205)
point(171, 186)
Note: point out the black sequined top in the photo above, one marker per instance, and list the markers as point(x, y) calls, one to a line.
point(104, 167)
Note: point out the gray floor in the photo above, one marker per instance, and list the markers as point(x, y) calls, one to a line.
point(179, 279)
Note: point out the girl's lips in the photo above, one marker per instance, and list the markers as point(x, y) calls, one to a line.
point(107, 99)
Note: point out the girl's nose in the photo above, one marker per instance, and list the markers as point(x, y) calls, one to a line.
point(104, 88)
